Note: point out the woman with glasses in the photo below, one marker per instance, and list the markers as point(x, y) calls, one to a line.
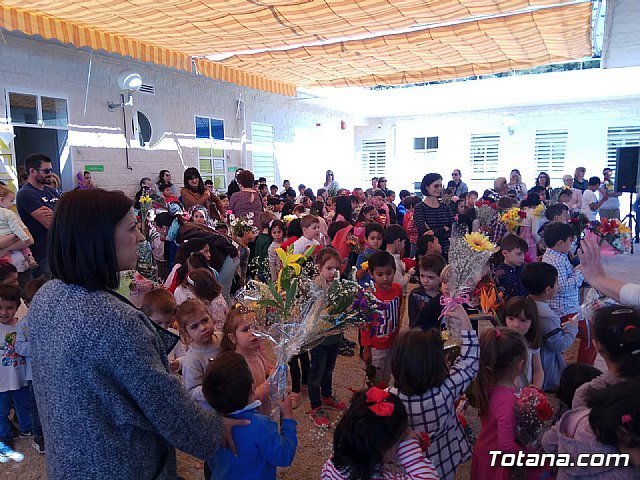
point(459, 187)
point(544, 181)
point(382, 185)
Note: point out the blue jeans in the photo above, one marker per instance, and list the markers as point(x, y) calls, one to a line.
point(20, 399)
point(36, 426)
point(225, 275)
point(323, 361)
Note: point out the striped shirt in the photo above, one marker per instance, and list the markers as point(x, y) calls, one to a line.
point(567, 300)
point(411, 465)
point(439, 220)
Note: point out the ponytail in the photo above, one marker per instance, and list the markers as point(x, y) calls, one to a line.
point(500, 348)
point(617, 329)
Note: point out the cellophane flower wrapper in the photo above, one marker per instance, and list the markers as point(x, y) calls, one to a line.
point(319, 314)
point(486, 211)
point(592, 302)
point(468, 266)
point(613, 232)
point(532, 410)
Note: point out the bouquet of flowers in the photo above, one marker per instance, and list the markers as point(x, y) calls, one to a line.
point(242, 224)
point(354, 244)
point(513, 217)
point(145, 266)
point(532, 410)
point(468, 257)
point(293, 327)
point(539, 210)
point(612, 231)
point(486, 211)
point(579, 222)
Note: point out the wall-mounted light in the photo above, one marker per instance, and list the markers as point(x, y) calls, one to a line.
point(129, 82)
point(510, 121)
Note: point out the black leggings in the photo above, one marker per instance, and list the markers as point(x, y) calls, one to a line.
point(299, 372)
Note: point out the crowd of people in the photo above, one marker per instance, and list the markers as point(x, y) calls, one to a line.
point(177, 364)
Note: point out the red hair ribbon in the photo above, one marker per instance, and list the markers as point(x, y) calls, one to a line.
point(629, 327)
point(377, 397)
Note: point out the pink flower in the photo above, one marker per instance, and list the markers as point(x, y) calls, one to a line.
point(626, 419)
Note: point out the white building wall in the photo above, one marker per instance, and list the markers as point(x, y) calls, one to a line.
point(308, 138)
point(587, 125)
point(621, 45)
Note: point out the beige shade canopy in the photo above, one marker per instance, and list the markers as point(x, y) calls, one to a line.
point(173, 32)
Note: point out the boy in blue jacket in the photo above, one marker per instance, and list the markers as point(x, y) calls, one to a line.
point(228, 387)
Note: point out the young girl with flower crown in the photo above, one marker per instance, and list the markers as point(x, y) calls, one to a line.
point(429, 389)
point(503, 357)
point(238, 336)
point(372, 441)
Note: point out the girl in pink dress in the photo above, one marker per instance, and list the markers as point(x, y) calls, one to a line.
point(503, 357)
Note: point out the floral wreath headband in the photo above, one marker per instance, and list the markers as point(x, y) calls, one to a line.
point(242, 309)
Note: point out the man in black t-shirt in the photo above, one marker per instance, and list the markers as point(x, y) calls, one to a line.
point(35, 202)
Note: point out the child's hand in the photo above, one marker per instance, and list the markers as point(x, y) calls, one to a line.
point(286, 407)
point(575, 320)
point(174, 365)
point(366, 355)
point(460, 313)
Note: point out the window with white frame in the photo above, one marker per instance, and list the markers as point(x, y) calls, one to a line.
point(211, 160)
point(425, 148)
point(374, 158)
point(263, 157)
point(483, 156)
point(550, 152)
point(620, 137)
point(28, 109)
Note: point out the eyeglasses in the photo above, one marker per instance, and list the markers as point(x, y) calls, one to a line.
point(455, 174)
point(45, 170)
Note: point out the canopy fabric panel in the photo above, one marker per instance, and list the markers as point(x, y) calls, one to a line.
point(206, 27)
point(473, 48)
point(51, 28)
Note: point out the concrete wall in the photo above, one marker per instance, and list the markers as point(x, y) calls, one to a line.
point(308, 138)
point(586, 123)
point(621, 45)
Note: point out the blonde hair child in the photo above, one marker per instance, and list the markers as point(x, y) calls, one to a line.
point(238, 336)
point(159, 305)
point(19, 254)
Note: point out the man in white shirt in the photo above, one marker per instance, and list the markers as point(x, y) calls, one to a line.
point(590, 202)
point(610, 208)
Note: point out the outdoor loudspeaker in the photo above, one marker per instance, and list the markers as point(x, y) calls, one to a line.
point(627, 164)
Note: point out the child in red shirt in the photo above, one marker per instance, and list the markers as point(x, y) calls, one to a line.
point(377, 340)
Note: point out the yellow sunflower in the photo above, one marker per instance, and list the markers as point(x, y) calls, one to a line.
point(479, 242)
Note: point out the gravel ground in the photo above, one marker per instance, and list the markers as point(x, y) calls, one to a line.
point(314, 445)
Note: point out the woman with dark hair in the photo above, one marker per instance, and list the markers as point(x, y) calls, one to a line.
point(164, 177)
point(309, 194)
point(544, 181)
point(343, 209)
point(101, 362)
point(330, 185)
point(194, 193)
point(431, 214)
point(247, 200)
